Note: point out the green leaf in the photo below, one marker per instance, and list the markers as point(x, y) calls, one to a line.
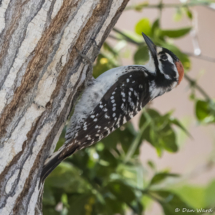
point(210, 194)
point(151, 112)
point(203, 111)
point(171, 203)
point(123, 135)
point(189, 13)
point(168, 139)
point(178, 14)
point(143, 26)
point(80, 159)
point(48, 196)
point(159, 177)
point(192, 195)
point(122, 191)
point(177, 123)
point(180, 11)
point(107, 156)
point(131, 129)
point(112, 206)
point(64, 199)
point(151, 164)
point(159, 133)
point(175, 33)
point(81, 204)
point(141, 56)
point(50, 210)
point(67, 177)
point(155, 28)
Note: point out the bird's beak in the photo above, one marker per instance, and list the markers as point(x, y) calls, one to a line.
point(151, 46)
point(180, 69)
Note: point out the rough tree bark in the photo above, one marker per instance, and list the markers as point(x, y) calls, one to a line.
point(41, 73)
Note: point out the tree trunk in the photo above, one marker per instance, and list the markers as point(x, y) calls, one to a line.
point(41, 75)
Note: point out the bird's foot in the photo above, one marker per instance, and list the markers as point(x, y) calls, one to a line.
point(95, 45)
point(90, 82)
point(87, 59)
point(89, 79)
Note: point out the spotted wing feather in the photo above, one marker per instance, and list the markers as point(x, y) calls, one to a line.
point(121, 102)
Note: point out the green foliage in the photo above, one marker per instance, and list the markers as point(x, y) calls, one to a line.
point(139, 7)
point(159, 177)
point(175, 33)
point(188, 13)
point(108, 178)
point(159, 133)
point(170, 202)
point(205, 111)
point(143, 25)
point(197, 196)
point(181, 11)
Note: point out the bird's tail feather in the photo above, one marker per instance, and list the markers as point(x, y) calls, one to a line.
point(55, 160)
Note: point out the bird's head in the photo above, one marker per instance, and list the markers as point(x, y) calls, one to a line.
point(164, 65)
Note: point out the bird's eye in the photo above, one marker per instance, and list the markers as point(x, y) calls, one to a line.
point(163, 57)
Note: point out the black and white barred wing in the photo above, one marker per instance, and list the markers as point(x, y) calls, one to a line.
point(121, 102)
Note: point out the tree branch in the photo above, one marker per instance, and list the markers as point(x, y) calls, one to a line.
point(202, 57)
point(161, 5)
point(124, 36)
point(193, 83)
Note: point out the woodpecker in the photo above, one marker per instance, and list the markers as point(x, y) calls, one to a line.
point(115, 97)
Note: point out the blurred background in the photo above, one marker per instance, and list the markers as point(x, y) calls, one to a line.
point(163, 161)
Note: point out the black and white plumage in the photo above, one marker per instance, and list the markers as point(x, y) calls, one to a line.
point(115, 97)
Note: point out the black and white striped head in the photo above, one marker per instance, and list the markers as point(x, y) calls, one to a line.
point(164, 65)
